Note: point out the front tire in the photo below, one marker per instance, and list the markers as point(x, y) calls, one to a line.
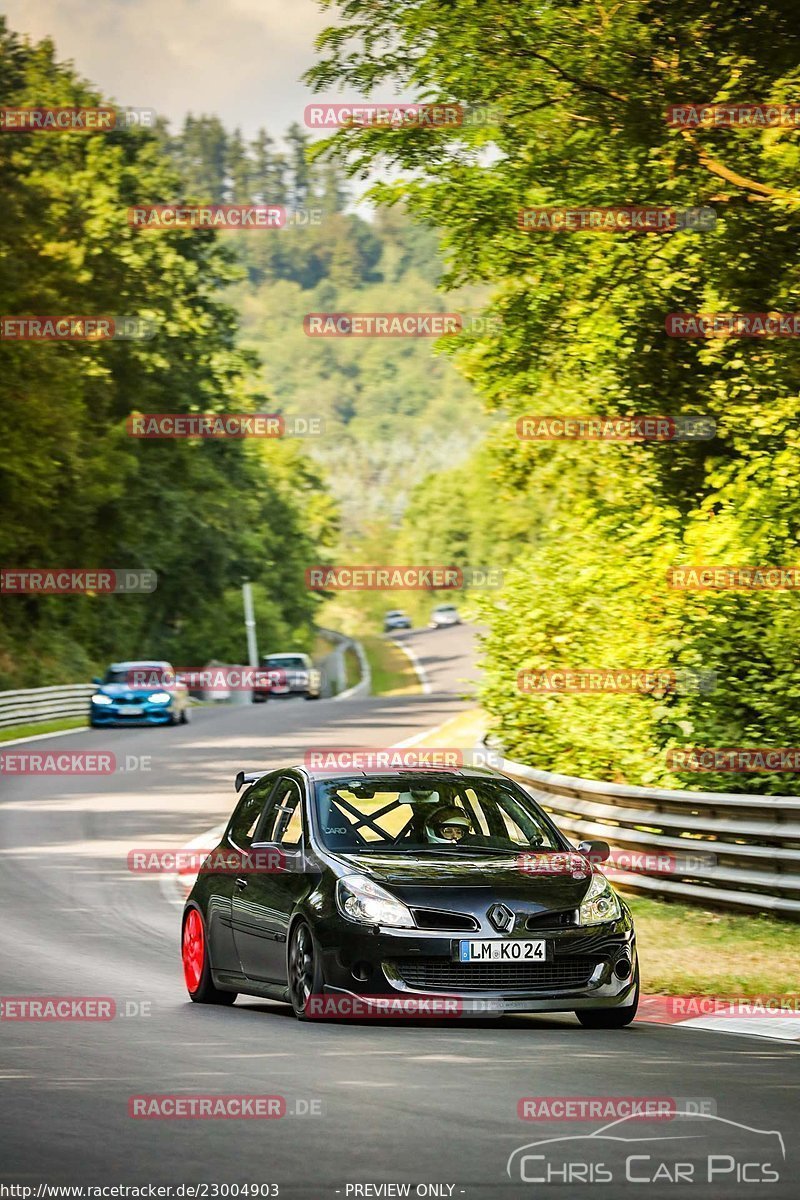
point(610, 1018)
point(185, 716)
point(304, 969)
point(197, 965)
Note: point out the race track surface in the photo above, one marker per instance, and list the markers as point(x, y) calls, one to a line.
point(402, 1102)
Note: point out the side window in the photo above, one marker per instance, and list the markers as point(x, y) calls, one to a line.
point(284, 821)
point(247, 815)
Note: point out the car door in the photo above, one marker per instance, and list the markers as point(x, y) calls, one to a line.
point(221, 880)
point(264, 899)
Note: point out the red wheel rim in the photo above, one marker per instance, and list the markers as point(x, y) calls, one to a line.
point(194, 950)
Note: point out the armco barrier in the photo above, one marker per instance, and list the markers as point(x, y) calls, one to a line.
point(334, 672)
point(30, 706)
point(755, 840)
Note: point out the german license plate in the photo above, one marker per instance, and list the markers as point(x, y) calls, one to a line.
point(130, 710)
point(517, 950)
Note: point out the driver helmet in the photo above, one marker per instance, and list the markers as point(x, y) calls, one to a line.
point(447, 824)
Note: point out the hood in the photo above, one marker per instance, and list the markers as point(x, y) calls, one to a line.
point(442, 880)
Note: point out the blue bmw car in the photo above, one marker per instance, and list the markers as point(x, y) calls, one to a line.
point(139, 693)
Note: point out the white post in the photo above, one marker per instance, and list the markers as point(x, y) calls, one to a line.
point(250, 623)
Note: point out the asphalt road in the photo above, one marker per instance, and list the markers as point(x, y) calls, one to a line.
point(421, 1103)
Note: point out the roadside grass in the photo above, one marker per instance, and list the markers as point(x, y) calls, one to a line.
point(687, 950)
point(392, 671)
point(21, 731)
point(463, 731)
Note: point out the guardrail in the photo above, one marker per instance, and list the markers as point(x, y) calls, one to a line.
point(32, 706)
point(334, 672)
point(724, 849)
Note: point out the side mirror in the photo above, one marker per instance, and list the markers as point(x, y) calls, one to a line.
point(596, 851)
point(96, 679)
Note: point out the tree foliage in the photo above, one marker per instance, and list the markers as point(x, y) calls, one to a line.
point(576, 96)
point(75, 489)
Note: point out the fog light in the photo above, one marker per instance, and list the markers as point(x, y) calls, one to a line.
point(622, 968)
point(361, 971)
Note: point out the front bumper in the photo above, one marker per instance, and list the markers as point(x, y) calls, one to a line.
point(579, 971)
point(162, 714)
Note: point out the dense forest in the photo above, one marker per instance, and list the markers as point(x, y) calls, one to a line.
point(76, 490)
point(421, 460)
point(228, 311)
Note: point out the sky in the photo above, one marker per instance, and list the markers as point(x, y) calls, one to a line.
point(240, 59)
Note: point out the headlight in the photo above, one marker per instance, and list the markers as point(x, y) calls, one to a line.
point(359, 899)
point(600, 903)
point(101, 699)
point(160, 698)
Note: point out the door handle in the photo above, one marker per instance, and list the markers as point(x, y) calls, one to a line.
point(242, 883)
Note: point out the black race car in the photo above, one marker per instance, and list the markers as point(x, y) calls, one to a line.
point(416, 883)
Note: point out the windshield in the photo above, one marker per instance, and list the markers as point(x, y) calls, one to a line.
point(453, 815)
point(139, 675)
point(285, 662)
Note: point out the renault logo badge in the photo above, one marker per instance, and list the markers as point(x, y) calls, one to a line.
point(501, 917)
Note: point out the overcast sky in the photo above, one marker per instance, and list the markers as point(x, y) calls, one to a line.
point(240, 59)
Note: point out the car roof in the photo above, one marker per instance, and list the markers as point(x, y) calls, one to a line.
point(139, 662)
point(402, 775)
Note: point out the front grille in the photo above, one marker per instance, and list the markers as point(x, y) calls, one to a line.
point(440, 974)
point(429, 918)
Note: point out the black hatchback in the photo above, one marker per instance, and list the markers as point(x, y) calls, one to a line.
point(395, 891)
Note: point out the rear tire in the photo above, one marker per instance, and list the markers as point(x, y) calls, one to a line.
point(610, 1018)
point(196, 963)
